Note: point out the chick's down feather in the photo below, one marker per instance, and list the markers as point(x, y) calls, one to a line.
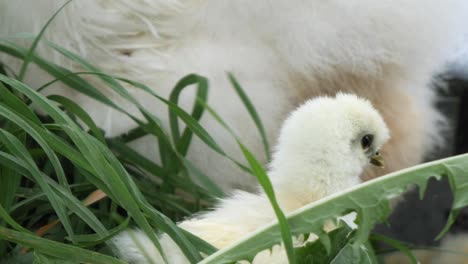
point(323, 147)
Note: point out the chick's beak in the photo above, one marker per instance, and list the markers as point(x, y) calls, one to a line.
point(377, 160)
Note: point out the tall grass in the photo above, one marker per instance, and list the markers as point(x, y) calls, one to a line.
point(66, 186)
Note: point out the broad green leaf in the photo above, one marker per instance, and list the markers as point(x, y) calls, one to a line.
point(366, 199)
point(459, 186)
point(316, 252)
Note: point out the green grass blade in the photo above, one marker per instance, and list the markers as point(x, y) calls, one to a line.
point(5, 112)
point(60, 73)
point(182, 142)
point(396, 244)
point(136, 158)
point(16, 104)
point(160, 220)
point(45, 259)
point(91, 152)
point(191, 121)
point(200, 244)
point(9, 183)
point(204, 181)
point(7, 218)
point(55, 249)
point(10, 179)
point(16, 147)
point(94, 239)
point(265, 182)
point(79, 209)
point(74, 108)
point(163, 222)
point(28, 56)
point(260, 174)
point(156, 129)
point(253, 113)
point(70, 201)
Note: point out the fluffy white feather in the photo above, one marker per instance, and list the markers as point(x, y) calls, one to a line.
point(283, 52)
point(319, 152)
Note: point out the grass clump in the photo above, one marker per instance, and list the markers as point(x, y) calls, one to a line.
point(66, 181)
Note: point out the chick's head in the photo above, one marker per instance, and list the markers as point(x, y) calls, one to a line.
point(325, 144)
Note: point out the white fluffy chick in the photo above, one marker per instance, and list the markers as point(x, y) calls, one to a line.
point(323, 148)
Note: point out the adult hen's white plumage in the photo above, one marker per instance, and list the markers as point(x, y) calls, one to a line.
point(283, 52)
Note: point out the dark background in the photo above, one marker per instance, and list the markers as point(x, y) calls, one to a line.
point(417, 221)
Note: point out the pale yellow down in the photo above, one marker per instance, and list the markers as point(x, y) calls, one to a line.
point(319, 152)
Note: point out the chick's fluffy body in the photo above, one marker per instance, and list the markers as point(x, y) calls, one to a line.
point(282, 52)
point(318, 153)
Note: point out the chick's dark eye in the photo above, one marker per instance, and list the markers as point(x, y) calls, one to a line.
point(366, 141)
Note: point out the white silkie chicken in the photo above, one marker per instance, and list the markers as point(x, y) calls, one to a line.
point(323, 148)
point(281, 51)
